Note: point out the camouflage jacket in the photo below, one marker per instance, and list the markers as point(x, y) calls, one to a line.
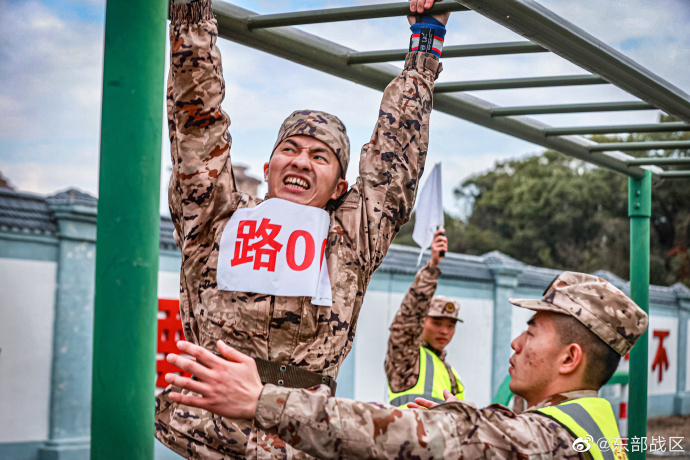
point(203, 197)
point(327, 427)
point(402, 358)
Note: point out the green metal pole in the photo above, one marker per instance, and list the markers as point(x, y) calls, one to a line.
point(128, 231)
point(640, 211)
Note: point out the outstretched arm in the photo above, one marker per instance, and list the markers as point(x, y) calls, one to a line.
point(200, 143)
point(402, 358)
point(326, 427)
point(392, 163)
point(310, 420)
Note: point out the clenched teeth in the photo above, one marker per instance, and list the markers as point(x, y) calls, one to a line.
point(296, 182)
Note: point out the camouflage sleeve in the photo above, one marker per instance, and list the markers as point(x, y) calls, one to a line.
point(392, 162)
point(402, 358)
point(327, 427)
point(199, 138)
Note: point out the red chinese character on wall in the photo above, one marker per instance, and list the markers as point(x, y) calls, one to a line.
point(661, 358)
point(169, 332)
point(265, 249)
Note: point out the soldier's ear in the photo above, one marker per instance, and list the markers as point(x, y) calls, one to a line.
point(572, 359)
point(265, 172)
point(339, 189)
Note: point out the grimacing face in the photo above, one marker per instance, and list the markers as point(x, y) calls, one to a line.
point(304, 170)
point(535, 364)
point(438, 332)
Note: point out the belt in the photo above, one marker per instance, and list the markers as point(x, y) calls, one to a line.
point(291, 376)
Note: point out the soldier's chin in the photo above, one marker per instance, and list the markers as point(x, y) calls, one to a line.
point(296, 196)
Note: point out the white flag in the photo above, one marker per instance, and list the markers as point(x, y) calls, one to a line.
point(429, 215)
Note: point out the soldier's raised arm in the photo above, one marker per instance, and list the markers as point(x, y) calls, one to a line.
point(392, 162)
point(202, 178)
point(402, 357)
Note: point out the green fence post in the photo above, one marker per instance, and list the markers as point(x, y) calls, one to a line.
point(128, 231)
point(640, 211)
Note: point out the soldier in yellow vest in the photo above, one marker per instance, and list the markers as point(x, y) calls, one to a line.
point(571, 348)
point(422, 328)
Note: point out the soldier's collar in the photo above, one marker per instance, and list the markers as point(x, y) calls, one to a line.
point(439, 353)
point(563, 397)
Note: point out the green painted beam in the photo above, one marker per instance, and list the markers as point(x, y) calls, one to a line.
point(487, 49)
point(660, 161)
point(642, 128)
point(513, 83)
point(570, 108)
point(503, 394)
point(675, 174)
point(640, 211)
point(124, 353)
point(652, 145)
point(539, 25)
point(619, 378)
point(343, 14)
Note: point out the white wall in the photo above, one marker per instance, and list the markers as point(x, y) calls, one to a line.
point(470, 350)
point(519, 323)
point(27, 305)
point(168, 285)
point(371, 343)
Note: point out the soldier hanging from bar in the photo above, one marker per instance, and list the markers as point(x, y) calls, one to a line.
point(256, 274)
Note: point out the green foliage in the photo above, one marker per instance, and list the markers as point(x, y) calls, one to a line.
point(553, 211)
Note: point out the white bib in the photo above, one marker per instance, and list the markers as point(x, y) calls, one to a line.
point(276, 248)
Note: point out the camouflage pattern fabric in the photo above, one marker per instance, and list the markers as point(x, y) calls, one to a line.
point(596, 303)
point(327, 427)
point(322, 126)
point(203, 197)
point(444, 307)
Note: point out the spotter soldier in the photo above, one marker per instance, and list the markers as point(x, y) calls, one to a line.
point(421, 330)
point(292, 340)
point(583, 325)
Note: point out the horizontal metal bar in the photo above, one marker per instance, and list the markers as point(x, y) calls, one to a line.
point(570, 108)
point(675, 174)
point(660, 145)
point(649, 128)
point(660, 161)
point(536, 23)
point(512, 83)
point(311, 51)
point(349, 13)
point(486, 49)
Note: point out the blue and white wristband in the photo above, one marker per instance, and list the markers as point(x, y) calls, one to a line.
point(428, 35)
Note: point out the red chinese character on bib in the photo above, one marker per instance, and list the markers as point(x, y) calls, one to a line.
point(265, 250)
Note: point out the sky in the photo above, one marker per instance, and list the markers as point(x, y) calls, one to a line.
point(51, 55)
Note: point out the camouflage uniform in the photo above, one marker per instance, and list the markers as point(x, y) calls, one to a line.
point(203, 197)
point(328, 427)
point(402, 358)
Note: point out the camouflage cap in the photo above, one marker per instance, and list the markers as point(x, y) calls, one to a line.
point(322, 126)
point(444, 307)
point(596, 303)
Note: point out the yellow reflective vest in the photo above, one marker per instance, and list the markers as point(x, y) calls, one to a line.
point(592, 422)
point(433, 379)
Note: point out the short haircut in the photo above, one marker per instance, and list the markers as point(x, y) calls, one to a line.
point(602, 360)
